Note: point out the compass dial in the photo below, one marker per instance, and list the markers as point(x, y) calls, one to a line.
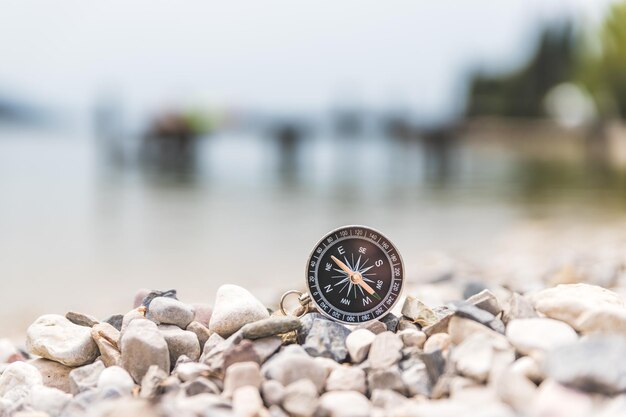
point(354, 274)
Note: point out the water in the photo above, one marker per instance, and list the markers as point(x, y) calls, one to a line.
point(77, 233)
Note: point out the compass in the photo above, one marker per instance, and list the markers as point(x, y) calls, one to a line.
point(354, 274)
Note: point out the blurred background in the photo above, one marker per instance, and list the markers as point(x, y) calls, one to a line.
point(189, 144)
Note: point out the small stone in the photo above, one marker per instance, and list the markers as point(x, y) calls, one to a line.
point(406, 324)
point(188, 371)
point(85, 377)
point(287, 367)
point(385, 350)
point(555, 400)
point(203, 313)
point(107, 338)
point(567, 302)
point(306, 322)
point(529, 368)
point(390, 321)
point(475, 356)
point(165, 310)
point(115, 320)
point(52, 401)
point(247, 402)
point(594, 364)
point(235, 307)
point(485, 300)
point(518, 307)
point(201, 331)
point(373, 326)
point(435, 364)
point(215, 349)
point(347, 378)
point(438, 341)
point(516, 390)
point(411, 337)
point(444, 315)
point(328, 364)
point(418, 312)
point(116, 377)
point(54, 374)
point(139, 297)
point(390, 378)
point(300, 398)
point(201, 385)
point(151, 381)
point(327, 339)
point(270, 327)
point(481, 316)
point(460, 329)
point(388, 399)
point(242, 374)
point(358, 344)
point(266, 347)
point(539, 334)
point(130, 317)
point(180, 342)
point(19, 374)
point(56, 338)
point(8, 352)
point(417, 381)
point(473, 288)
point(153, 294)
point(81, 319)
point(334, 404)
point(241, 352)
point(276, 411)
point(142, 345)
point(609, 319)
point(272, 392)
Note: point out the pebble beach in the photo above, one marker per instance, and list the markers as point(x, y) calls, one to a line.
point(462, 342)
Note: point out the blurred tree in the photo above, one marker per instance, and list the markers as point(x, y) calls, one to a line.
point(602, 65)
point(521, 94)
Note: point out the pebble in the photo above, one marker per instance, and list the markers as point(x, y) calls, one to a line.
point(388, 399)
point(441, 326)
point(166, 310)
point(475, 356)
point(203, 313)
point(300, 398)
point(8, 352)
point(152, 294)
point(81, 319)
point(85, 377)
point(272, 392)
point(116, 377)
point(594, 364)
point(139, 297)
point(150, 383)
point(51, 401)
point(115, 320)
point(344, 404)
point(142, 345)
point(107, 338)
point(385, 350)
point(374, 326)
point(518, 307)
point(348, 378)
point(390, 321)
point(438, 341)
point(539, 334)
point(306, 322)
point(242, 374)
point(412, 338)
point(567, 302)
point(247, 402)
point(180, 342)
point(486, 300)
point(555, 400)
point(287, 367)
point(54, 374)
point(234, 308)
point(609, 319)
point(240, 352)
point(461, 328)
point(469, 311)
point(529, 368)
point(19, 374)
point(56, 338)
point(130, 317)
point(358, 344)
point(418, 312)
point(202, 332)
point(270, 327)
point(390, 378)
point(327, 339)
point(417, 381)
point(187, 371)
point(266, 347)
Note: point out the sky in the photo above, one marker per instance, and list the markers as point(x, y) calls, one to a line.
point(280, 56)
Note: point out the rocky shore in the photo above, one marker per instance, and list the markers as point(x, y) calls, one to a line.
point(557, 351)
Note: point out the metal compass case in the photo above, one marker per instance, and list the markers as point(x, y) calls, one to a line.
point(354, 274)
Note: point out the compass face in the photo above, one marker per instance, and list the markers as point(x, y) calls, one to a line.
point(355, 275)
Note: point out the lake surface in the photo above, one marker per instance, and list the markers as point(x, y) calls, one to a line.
point(78, 232)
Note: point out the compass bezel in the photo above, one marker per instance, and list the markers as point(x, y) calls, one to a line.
point(333, 307)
